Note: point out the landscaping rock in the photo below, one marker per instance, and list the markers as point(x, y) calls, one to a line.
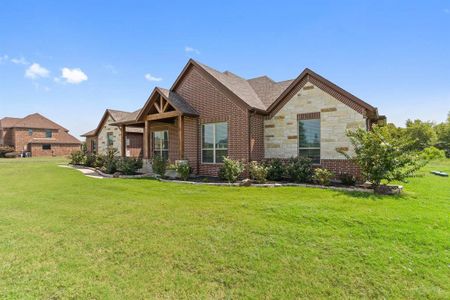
point(245, 182)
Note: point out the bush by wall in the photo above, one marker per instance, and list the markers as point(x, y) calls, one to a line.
point(299, 169)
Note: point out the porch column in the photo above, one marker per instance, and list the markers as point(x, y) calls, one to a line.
point(146, 140)
point(123, 138)
point(181, 136)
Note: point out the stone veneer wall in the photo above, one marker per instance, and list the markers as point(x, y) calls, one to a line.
point(102, 136)
point(281, 131)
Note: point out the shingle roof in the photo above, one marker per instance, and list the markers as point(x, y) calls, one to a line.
point(35, 121)
point(89, 133)
point(178, 102)
point(267, 89)
point(63, 138)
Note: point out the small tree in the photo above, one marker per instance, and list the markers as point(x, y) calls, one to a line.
point(380, 156)
point(231, 169)
point(159, 165)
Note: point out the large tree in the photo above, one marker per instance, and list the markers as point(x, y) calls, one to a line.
point(421, 134)
point(443, 136)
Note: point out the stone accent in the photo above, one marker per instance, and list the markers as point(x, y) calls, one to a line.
point(103, 136)
point(334, 123)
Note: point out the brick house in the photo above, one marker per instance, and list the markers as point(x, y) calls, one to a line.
point(37, 135)
point(107, 135)
point(208, 114)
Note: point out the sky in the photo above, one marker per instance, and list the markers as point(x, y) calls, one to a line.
point(71, 60)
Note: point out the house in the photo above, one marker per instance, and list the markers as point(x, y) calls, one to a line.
point(208, 114)
point(107, 136)
point(37, 135)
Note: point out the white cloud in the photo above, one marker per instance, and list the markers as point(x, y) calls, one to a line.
point(188, 49)
point(3, 58)
point(19, 61)
point(35, 71)
point(151, 78)
point(74, 76)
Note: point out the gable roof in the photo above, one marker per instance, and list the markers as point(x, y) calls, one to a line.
point(116, 115)
point(170, 96)
point(337, 92)
point(265, 95)
point(34, 121)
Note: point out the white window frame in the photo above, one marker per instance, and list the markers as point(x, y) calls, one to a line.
point(214, 144)
point(310, 148)
point(161, 150)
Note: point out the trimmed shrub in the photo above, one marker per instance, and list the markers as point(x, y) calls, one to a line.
point(184, 170)
point(129, 165)
point(299, 169)
point(89, 159)
point(432, 153)
point(12, 154)
point(275, 169)
point(258, 172)
point(322, 176)
point(159, 165)
point(110, 161)
point(5, 149)
point(231, 170)
point(77, 157)
point(347, 179)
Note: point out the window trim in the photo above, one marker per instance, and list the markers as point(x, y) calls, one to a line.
point(161, 150)
point(47, 131)
point(214, 149)
point(306, 117)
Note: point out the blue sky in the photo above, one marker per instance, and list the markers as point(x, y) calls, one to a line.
point(72, 60)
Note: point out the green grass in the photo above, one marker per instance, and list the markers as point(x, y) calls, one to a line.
point(64, 235)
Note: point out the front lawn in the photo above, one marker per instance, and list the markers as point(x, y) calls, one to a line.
point(64, 235)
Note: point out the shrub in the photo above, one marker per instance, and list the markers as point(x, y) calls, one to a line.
point(258, 172)
point(89, 159)
point(5, 149)
point(231, 170)
point(99, 161)
point(347, 179)
point(77, 157)
point(300, 169)
point(381, 156)
point(184, 170)
point(322, 176)
point(275, 169)
point(431, 153)
point(110, 161)
point(159, 165)
point(129, 165)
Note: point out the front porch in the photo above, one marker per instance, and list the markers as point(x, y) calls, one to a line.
point(163, 120)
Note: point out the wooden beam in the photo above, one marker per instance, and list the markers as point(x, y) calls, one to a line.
point(123, 141)
point(181, 136)
point(161, 103)
point(157, 107)
point(146, 140)
point(163, 115)
point(165, 106)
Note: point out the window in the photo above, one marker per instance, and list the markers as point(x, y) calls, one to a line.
point(93, 146)
point(161, 144)
point(46, 147)
point(110, 139)
point(30, 132)
point(309, 139)
point(214, 142)
point(48, 133)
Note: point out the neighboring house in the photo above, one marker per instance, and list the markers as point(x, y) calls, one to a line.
point(107, 136)
point(37, 135)
point(208, 114)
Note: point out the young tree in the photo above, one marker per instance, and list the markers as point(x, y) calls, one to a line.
point(382, 156)
point(443, 136)
point(421, 134)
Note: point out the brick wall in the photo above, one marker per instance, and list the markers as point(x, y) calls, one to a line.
point(22, 137)
point(56, 150)
point(338, 166)
point(256, 137)
point(213, 106)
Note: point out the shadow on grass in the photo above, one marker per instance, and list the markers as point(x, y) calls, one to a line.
point(370, 196)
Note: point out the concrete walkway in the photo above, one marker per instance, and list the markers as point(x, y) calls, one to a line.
point(85, 171)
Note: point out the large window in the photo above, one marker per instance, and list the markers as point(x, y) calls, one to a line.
point(214, 142)
point(161, 144)
point(46, 147)
point(309, 139)
point(48, 133)
point(109, 139)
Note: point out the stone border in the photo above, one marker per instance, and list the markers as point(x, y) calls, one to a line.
point(110, 175)
point(273, 185)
